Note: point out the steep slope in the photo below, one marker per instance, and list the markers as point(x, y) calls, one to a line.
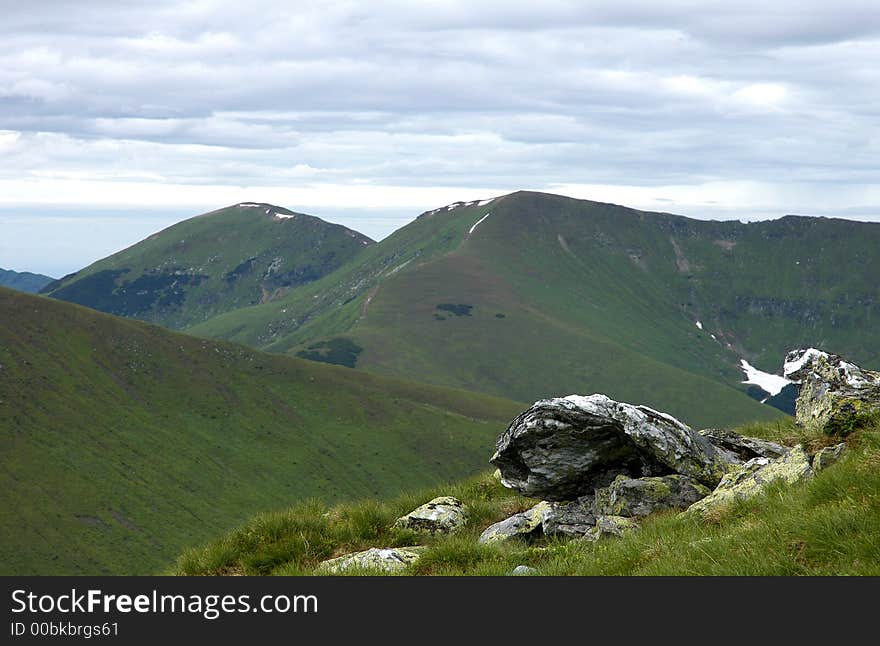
point(121, 443)
point(23, 281)
point(226, 259)
point(531, 294)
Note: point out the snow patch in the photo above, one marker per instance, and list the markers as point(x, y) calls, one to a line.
point(250, 205)
point(699, 325)
point(791, 367)
point(772, 384)
point(282, 216)
point(714, 338)
point(485, 202)
point(477, 223)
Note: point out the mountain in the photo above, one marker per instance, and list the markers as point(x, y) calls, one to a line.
point(23, 281)
point(532, 295)
point(240, 255)
point(122, 443)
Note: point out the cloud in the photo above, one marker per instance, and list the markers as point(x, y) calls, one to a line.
point(167, 103)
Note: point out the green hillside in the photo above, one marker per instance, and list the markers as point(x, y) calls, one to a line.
point(122, 443)
point(230, 258)
point(23, 281)
point(551, 295)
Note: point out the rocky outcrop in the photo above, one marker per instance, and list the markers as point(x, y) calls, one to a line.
point(384, 559)
point(521, 525)
point(564, 448)
point(752, 478)
point(635, 497)
point(443, 515)
point(834, 394)
point(744, 448)
point(828, 456)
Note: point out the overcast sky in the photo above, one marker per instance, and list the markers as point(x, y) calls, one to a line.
point(118, 118)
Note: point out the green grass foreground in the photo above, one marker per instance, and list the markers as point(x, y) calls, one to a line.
point(827, 526)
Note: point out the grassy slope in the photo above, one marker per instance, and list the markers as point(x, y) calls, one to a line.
point(827, 526)
point(579, 315)
point(121, 442)
point(206, 265)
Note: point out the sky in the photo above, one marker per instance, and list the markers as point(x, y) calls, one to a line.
point(118, 118)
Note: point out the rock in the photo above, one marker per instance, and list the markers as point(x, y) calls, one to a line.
point(574, 518)
point(522, 524)
point(744, 448)
point(523, 570)
point(443, 515)
point(751, 479)
point(634, 497)
point(828, 456)
point(611, 526)
point(564, 448)
point(385, 559)
point(834, 394)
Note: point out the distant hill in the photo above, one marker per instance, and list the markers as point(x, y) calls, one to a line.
point(532, 294)
point(237, 256)
point(122, 443)
point(23, 281)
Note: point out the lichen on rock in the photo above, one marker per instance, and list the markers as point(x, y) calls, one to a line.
point(834, 395)
point(635, 497)
point(752, 478)
point(375, 558)
point(520, 525)
point(443, 515)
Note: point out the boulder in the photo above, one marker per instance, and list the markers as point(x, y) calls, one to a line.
point(523, 570)
point(744, 448)
point(752, 478)
point(828, 456)
point(575, 518)
point(443, 515)
point(564, 448)
point(611, 526)
point(522, 525)
point(834, 394)
point(634, 497)
point(384, 559)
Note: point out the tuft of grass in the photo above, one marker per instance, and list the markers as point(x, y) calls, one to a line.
point(829, 525)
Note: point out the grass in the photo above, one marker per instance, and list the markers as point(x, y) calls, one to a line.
point(829, 525)
point(122, 443)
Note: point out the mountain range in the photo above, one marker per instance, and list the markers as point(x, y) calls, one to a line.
point(23, 281)
point(530, 295)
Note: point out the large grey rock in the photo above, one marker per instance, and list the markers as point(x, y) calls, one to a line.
point(634, 497)
point(575, 518)
point(744, 448)
point(523, 570)
point(443, 515)
point(519, 525)
point(833, 393)
point(752, 478)
point(828, 456)
point(564, 448)
point(384, 559)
